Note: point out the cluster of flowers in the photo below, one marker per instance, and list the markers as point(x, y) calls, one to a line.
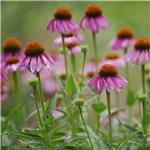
point(35, 59)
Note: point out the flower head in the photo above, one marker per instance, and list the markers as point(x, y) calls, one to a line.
point(114, 59)
point(124, 39)
point(12, 63)
point(90, 68)
point(94, 18)
point(69, 38)
point(107, 78)
point(141, 52)
point(62, 21)
point(73, 47)
point(35, 57)
point(11, 46)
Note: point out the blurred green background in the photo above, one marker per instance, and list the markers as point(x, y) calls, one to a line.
point(28, 20)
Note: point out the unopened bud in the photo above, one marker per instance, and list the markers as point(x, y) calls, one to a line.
point(79, 101)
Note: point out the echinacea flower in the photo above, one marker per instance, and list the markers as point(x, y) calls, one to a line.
point(124, 39)
point(73, 47)
point(62, 22)
point(108, 78)
point(141, 52)
point(11, 46)
point(69, 38)
point(35, 57)
point(114, 59)
point(90, 68)
point(94, 18)
point(12, 63)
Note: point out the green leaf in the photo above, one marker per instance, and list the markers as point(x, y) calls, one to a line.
point(125, 140)
point(99, 107)
point(130, 98)
point(50, 105)
point(9, 117)
point(71, 85)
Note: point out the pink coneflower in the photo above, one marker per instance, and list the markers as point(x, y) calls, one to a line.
point(94, 18)
point(141, 52)
point(124, 39)
point(62, 22)
point(114, 59)
point(12, 63)
point(73, 47)
point(69, 38)
point(108, 78)
point(35, 57)
point(90, 68)
point(11, 46)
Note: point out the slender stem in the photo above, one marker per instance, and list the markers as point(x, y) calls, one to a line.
point(80, 110)
point(17, 96)
point(41, 94)
point(65, 54)
point(127, 68)
point(73, 61)
point(95, 48)
point(37, 107)
point(109, 115)
point(82, 78)
point(128, 78)
point(144, 104)
point(97, 59)
point(143, 78)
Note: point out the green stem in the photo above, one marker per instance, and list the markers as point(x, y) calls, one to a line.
point(73, 61)
point(17, 97)
point(65, 54)
point(127, 68)
point(37, 107)
point(109, 115)
point(128, 78)
point(41, 94)
point(98, 114)
point(82, 78)
point(80, 110)
point(95, 49)
point(144, 105)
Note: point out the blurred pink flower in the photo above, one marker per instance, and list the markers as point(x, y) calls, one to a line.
point(141, 52)
point(11, 47)
point(123, 40)
point(90, 68)
point(108, 78)
point(62, 22)
point(114, 59)
point(69, 38)
point(119, 115)
point(94, 19)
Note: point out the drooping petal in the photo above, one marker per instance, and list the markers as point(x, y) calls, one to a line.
point(33, 65)
point(82, 22)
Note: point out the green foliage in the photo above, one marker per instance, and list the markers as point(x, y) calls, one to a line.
point(71, 85)
point(130, 98)
point(98, 107)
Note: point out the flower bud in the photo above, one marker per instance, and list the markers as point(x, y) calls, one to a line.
point(79, 101)
point(33, 82)
point(84, 48)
